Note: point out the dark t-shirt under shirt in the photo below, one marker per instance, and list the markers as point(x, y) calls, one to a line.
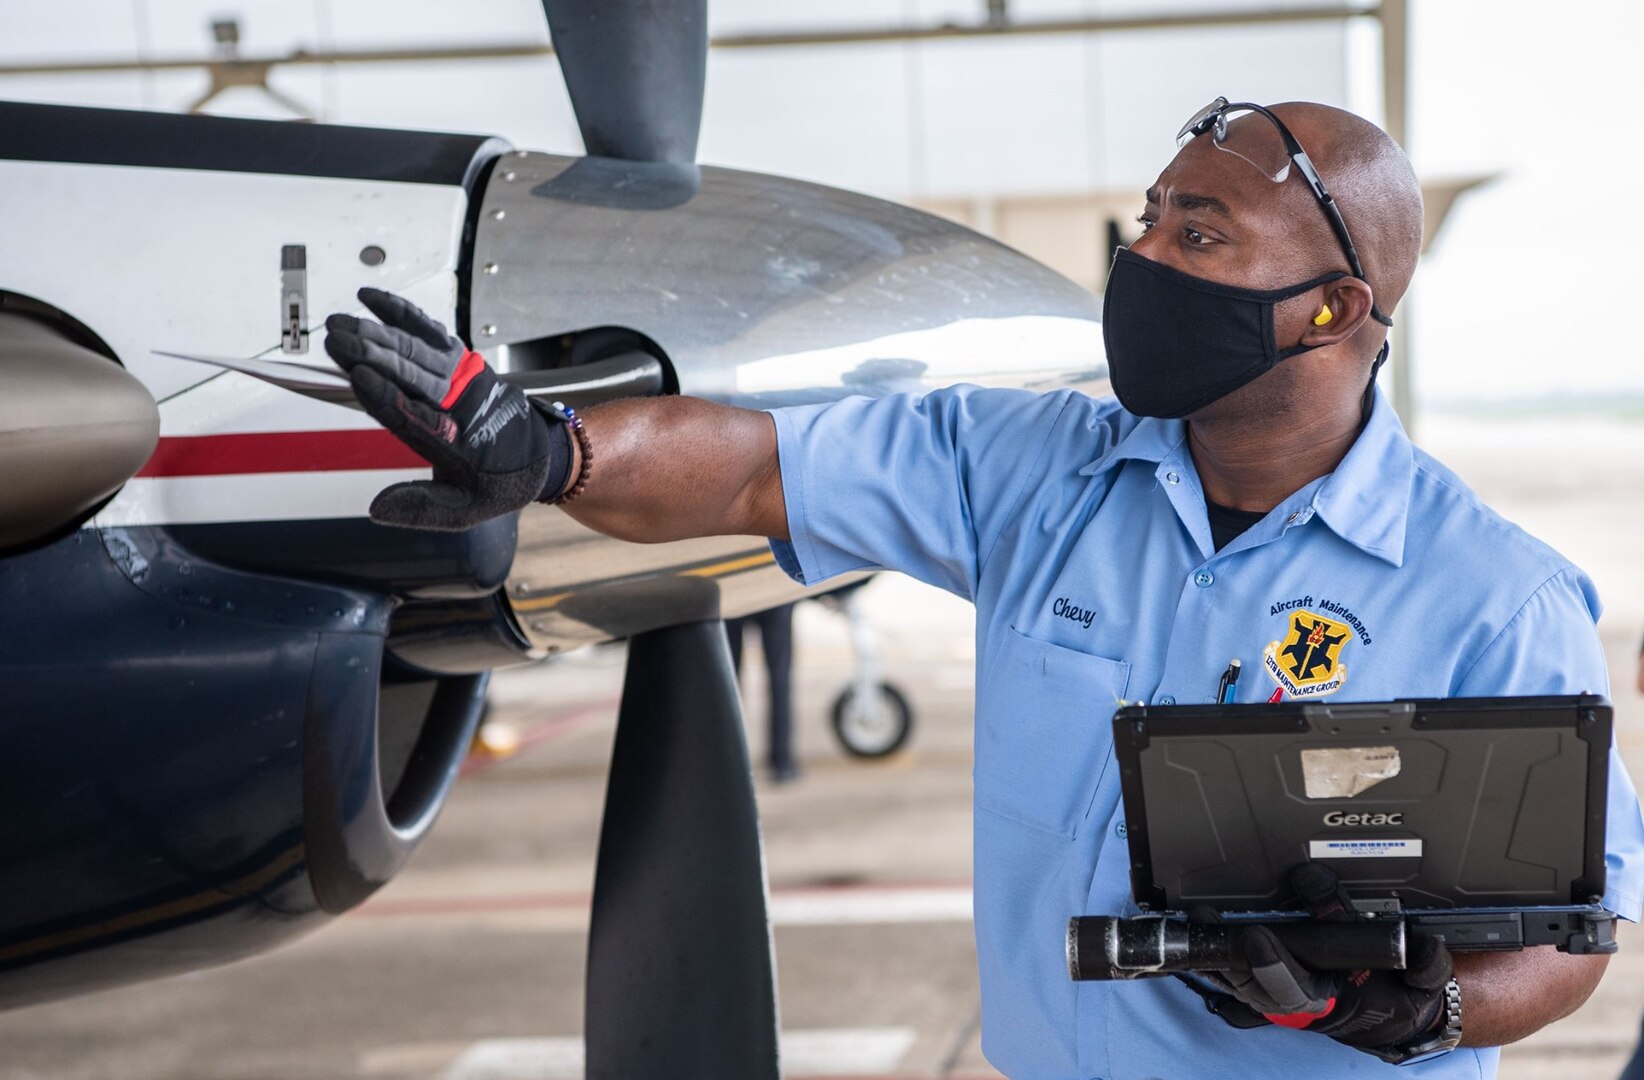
point(1226, 523)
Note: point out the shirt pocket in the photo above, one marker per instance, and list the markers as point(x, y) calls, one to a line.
point(1044, 729)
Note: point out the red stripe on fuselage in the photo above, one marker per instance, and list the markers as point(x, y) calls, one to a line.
point(280, 452)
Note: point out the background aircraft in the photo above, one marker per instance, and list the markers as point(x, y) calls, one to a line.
point(233, 705)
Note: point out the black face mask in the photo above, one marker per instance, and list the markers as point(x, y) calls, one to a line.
point(1176, 342)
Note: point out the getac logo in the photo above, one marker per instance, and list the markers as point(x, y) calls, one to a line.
point(1336, 819)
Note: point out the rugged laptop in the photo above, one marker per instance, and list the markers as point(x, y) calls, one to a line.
point(1481, 819)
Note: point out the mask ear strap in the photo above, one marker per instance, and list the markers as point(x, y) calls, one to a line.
point(1375, 313)
point(1297, 290)
point(1324, 279)
point(1375, 368)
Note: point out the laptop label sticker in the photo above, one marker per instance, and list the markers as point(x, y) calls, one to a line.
point(1364, 849)
point(1340, 772)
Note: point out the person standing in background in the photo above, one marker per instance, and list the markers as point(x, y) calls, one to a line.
point(776, 641)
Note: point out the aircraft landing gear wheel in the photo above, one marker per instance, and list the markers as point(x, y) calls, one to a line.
point(873, 728)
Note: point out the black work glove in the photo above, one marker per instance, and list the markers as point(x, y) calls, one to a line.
point(491, 451)
point(1367, 1010)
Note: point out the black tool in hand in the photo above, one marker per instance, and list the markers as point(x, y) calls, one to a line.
point(1101, 947)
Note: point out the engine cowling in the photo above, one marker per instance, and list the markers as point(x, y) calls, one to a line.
point(195, 759)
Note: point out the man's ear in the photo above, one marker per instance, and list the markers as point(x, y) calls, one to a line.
point(1338, 316)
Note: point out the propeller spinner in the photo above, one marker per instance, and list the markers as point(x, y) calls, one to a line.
point(74, 426)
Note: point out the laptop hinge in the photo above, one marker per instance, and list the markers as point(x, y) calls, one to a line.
point(1368, 710)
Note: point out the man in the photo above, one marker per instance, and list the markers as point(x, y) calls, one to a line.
point(1249, 495)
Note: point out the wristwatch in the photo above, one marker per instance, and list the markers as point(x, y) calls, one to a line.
point(1446, 1038)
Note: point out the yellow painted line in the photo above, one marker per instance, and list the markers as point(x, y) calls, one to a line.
point(731, 566)
point(234, 890)
point(712, 570)
point(539, 603)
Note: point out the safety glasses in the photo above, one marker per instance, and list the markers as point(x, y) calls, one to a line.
point(1272, 150)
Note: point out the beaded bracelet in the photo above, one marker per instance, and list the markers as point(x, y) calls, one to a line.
point(574, 422)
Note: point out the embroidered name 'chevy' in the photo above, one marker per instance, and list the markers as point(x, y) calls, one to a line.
point(1067, 609)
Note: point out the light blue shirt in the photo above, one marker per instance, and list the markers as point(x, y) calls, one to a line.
point(1080, 533)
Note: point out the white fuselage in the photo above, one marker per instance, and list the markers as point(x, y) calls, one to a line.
point(188, 260)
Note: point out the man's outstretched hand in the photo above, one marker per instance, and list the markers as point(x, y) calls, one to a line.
point(491, 451)
point(1368, 1010)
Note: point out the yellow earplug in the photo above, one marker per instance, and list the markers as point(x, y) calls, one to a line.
point(1324, 315)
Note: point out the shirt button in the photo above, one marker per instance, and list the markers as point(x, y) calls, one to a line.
point(1166, 699)
point(1204, 579)
point(1173, 478)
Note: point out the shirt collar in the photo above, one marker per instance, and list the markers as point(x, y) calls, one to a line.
point(1366, 501)
point(1150, 440)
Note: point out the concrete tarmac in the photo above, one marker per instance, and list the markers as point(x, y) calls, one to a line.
point(469, 965)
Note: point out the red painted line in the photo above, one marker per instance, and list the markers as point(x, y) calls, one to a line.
point(475, 905)
point(280, 452)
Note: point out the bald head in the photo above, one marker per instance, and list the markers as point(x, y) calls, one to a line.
point(1212, 215)
point(1374, 186)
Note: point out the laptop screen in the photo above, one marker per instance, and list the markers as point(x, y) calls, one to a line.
point(1438, 804)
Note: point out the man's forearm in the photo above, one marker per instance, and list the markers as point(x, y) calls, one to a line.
point(679, 467)
point(1509, 995)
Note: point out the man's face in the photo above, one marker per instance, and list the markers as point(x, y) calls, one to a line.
point(1214, 215)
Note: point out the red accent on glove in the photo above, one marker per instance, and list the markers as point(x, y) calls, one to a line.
point(1301, 1020)
point(471, 364)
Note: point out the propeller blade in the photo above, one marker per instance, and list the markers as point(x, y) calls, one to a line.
point(680, 975)
point(636, 71)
